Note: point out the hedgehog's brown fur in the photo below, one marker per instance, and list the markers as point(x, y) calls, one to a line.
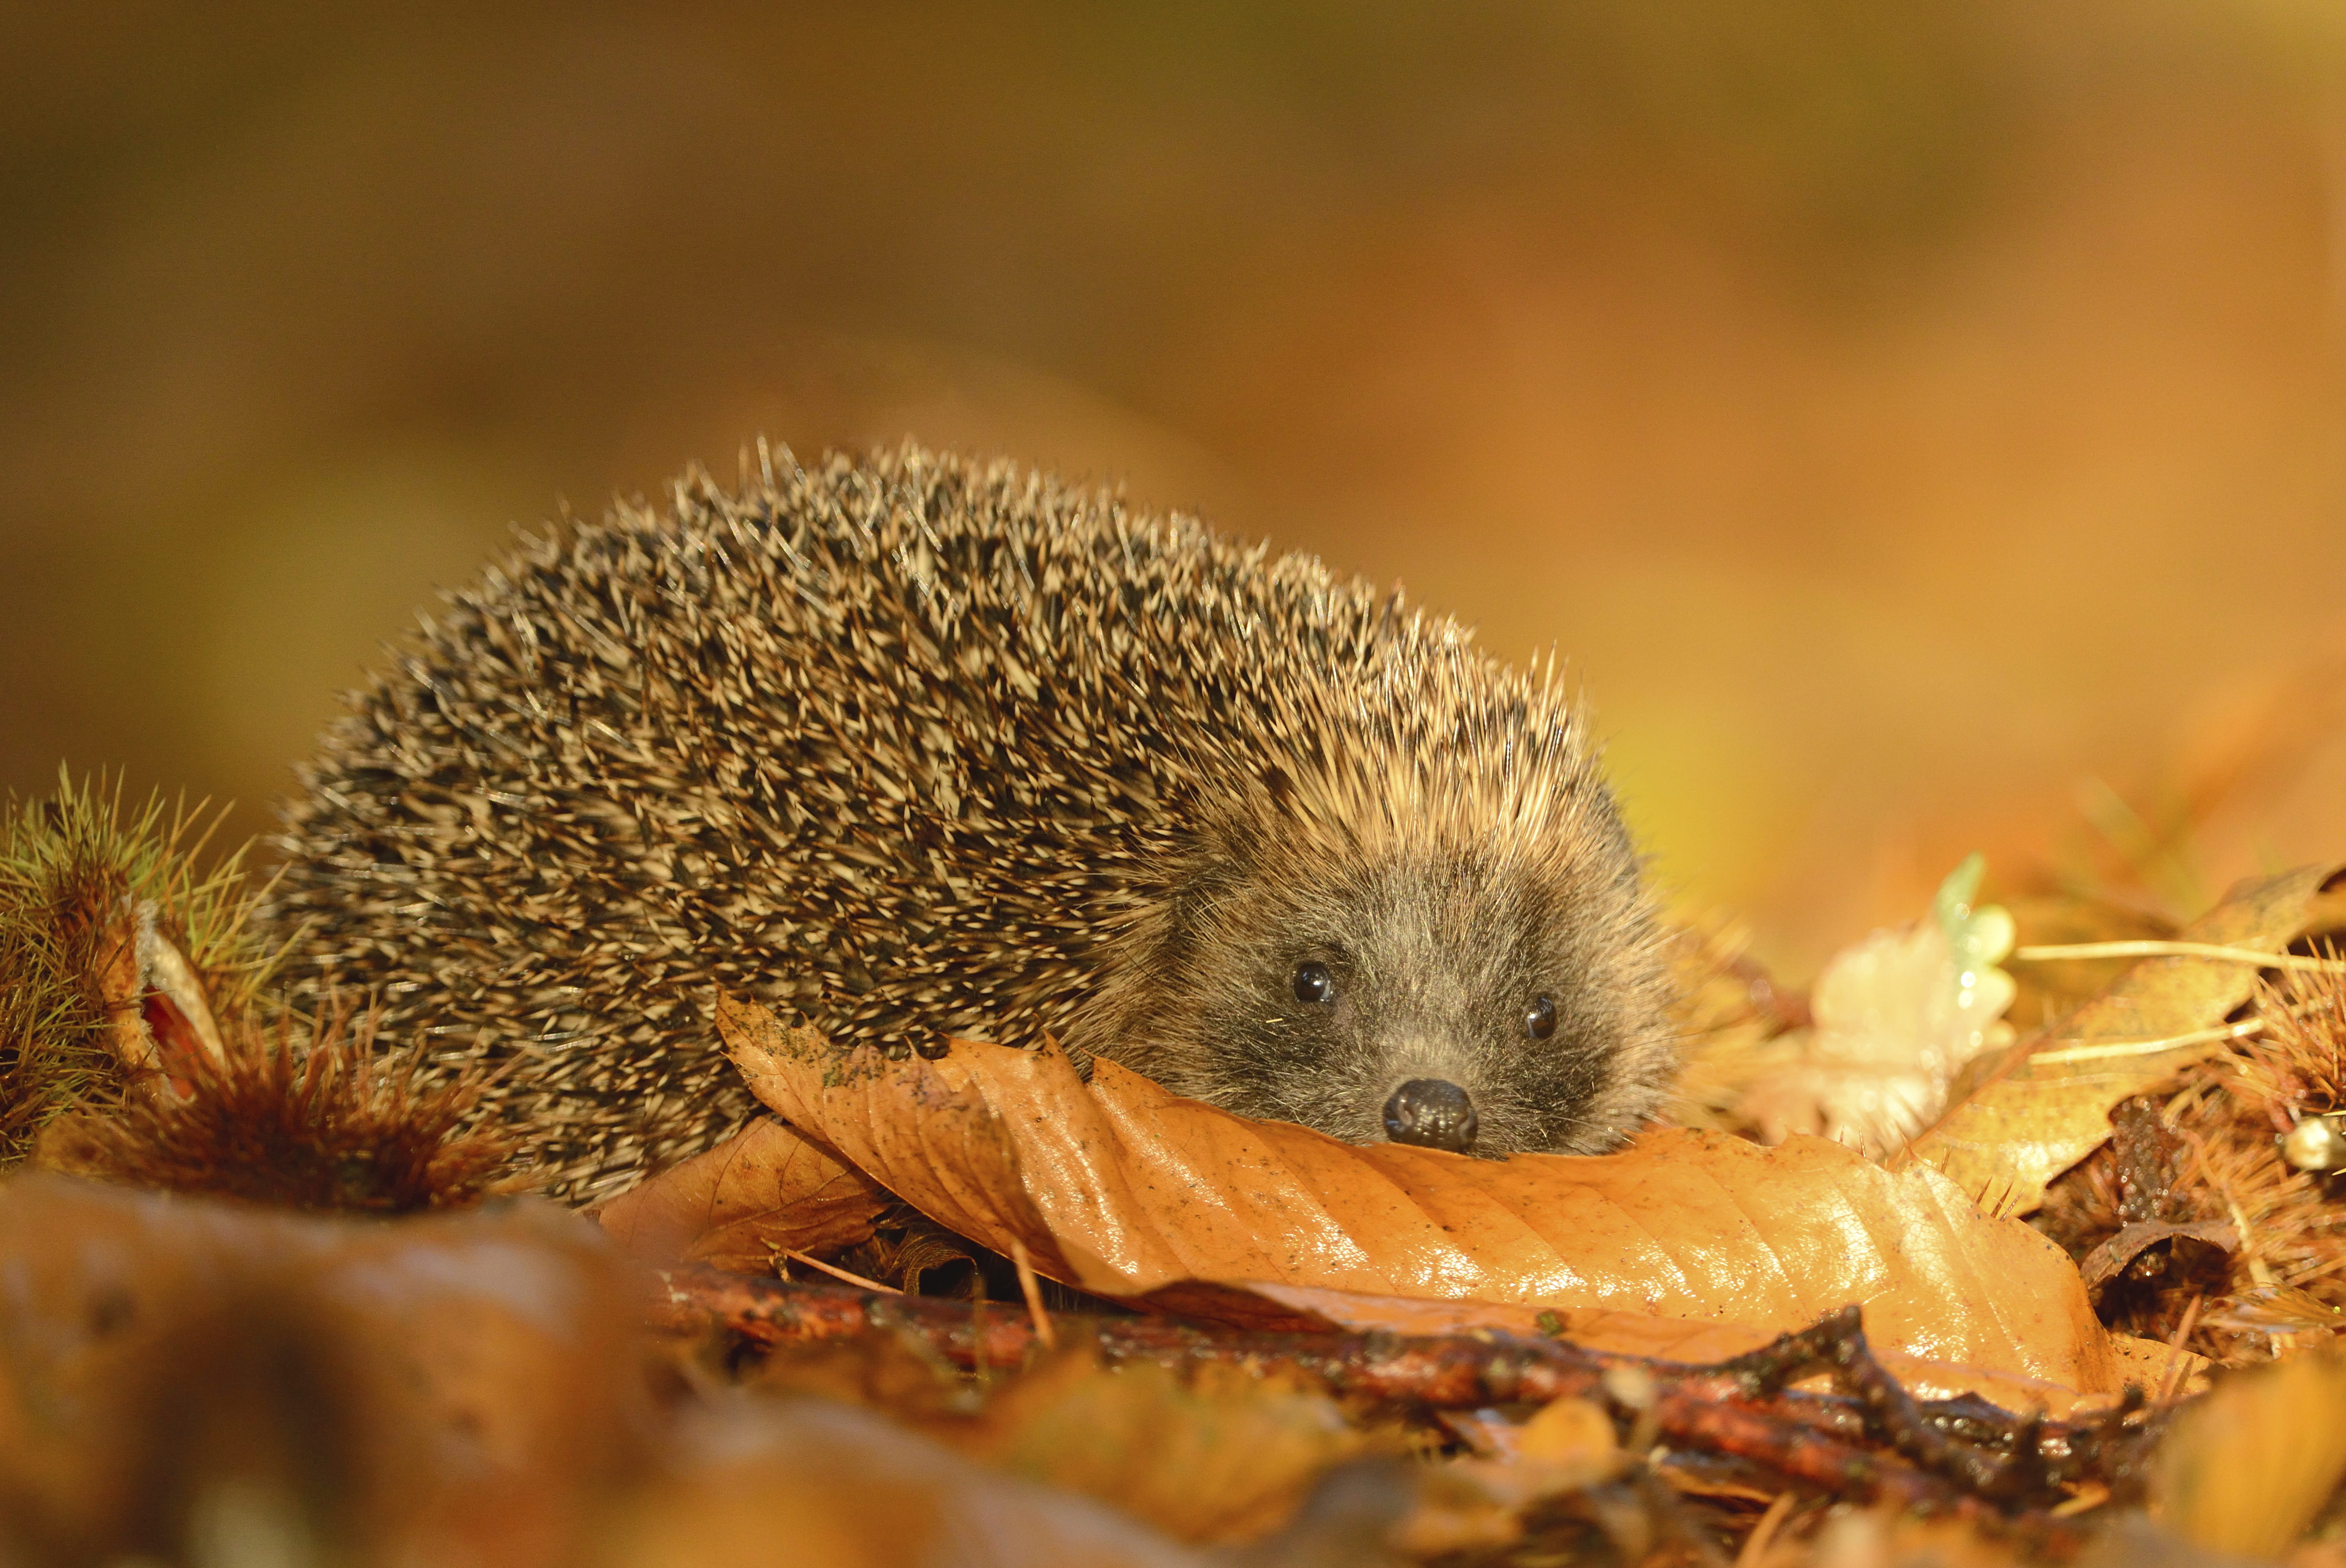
point(915, 747)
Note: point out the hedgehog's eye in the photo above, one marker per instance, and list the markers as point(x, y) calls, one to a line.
point(1314, 984)
point(1540, 1021)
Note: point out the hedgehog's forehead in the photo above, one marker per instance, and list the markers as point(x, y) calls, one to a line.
point(1439, 815)
point(1457, 783)
point(1435, 902)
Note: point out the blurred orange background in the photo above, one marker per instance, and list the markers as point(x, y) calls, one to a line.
point(1918, 424)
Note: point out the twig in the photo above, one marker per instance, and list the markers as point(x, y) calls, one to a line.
point(1738, 1407)
point(1837, 1343)
point(2240, 1030)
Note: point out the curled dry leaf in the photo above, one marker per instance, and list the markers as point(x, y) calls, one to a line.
point(1122, 1189)
point(771, 1189)
point(2044, 1105)
point(1480, 1502)
point(2105, 1260)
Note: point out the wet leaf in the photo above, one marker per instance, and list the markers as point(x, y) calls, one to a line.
point(1122, 1189)
point(768, 1190)
point(2044, 1105)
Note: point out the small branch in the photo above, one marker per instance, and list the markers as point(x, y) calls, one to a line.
point(1738, 1407)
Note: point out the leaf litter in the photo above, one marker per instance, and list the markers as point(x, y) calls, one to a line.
point(2043, 1104)
point(340, 1363)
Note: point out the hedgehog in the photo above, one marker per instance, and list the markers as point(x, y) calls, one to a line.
point(914, 748)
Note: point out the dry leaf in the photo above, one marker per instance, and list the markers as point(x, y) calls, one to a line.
point(1897, 1016)
point(1220, 1457)
point(2245, 1470)
point(2049, 989)
point(1888, 1538)
point(768, 1190)
point(2130, 1243)
point(1480, 1503)
point(1122, 1189)
point(2046, 1103)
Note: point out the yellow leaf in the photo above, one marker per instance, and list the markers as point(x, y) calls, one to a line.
point(2044, 1103)
point(2246, 1469)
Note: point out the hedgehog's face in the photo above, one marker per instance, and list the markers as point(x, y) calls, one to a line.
point(1426, 994)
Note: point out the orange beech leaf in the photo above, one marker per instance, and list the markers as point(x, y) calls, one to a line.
point(1124, 1189)
point(767, 1190)
point(2044, 1105)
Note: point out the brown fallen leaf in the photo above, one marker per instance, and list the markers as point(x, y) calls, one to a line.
point(1122, 1189)
point(1480, 1503)
point(771, 1189)
point(2044, 1105)
point(2105, 1261)
point(1218, 1456)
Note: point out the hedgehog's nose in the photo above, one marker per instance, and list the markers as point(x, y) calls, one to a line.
point(1430, 1112)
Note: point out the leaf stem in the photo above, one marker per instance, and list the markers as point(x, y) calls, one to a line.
point(2084, 949)
point(2246, 1026)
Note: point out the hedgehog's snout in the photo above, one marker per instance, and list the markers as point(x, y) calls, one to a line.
point(1432, 1112)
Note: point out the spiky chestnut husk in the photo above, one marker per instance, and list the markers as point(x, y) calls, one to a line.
point(87, 889)
point(910, 746)
point(323, 1120)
